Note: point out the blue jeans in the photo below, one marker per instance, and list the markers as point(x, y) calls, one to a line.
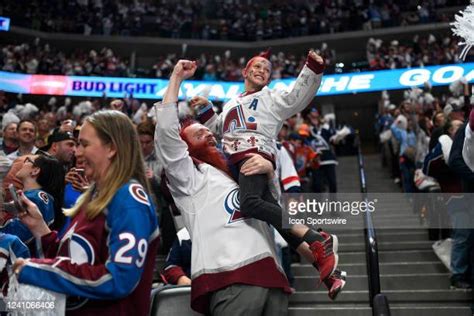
point(407, 169)
point(461, 214)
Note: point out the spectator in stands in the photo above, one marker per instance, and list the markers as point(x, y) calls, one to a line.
point(43, 133)
point(439, 121)
point(306, 159)
point(436, 162)
point(26, 131)
point(463, 239)
point(404, 133)
point(177, 269)
point(154, 173)
point(10, 143)
point(114, 218)
point(320, 142)
point(42, 179)
point(62, 146)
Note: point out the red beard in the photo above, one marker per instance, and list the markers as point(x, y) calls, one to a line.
point(210, 155)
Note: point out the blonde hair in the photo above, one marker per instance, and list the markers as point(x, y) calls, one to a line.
point(116, 129)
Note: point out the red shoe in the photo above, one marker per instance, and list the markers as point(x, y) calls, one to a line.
point(335, 283)
point(325, 255)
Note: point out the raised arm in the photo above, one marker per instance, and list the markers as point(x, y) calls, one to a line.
point(286, 104)
point(171, 150)
point(205, 114)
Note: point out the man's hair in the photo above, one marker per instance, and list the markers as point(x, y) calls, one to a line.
point(184, 123)
point(28, 121)
point(146, 128)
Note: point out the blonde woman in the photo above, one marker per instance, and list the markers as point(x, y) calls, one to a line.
point(104, 262)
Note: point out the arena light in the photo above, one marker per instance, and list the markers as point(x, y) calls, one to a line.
point(4, 24)
point(370, 81)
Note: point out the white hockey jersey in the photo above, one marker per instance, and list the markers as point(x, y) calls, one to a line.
point(285, 169)
point(468, 148)
point(250, 123)
point(226, 247)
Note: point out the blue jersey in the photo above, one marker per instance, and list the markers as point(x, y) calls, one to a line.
point(107, 262)
point(12, 247)
point(45, 204)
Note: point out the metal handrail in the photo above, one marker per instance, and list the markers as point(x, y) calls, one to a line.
point(371, 249)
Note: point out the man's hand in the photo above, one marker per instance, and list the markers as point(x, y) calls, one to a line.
point(312, 54)
point(67, 126)
point(184, 69)
point(116, 105)
point(198, 101)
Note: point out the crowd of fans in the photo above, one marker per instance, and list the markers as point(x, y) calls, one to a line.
point(220, 20)
point(30, 133)
point(41, 58)
point(422, 142)
point(421, 51)
point(422, 129)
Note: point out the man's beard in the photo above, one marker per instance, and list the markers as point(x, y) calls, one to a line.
point(210, 155)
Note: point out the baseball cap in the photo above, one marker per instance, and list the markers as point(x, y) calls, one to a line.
point(57, 136)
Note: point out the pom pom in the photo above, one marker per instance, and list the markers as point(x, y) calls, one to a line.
point(463, 26)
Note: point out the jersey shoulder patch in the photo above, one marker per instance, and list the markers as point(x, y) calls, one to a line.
point(43, 197)
point(138, 193)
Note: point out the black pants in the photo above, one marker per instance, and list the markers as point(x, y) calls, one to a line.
point(256, 201)
point(327, 172)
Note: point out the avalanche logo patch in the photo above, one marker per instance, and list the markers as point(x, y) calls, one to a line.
point(232, 206)
point(44, 197)
point(137, 192)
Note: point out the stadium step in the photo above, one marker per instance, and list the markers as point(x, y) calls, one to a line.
point(385, 268)
point(396, 310)
point(415, 282)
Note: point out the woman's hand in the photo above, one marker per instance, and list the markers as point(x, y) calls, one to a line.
point(32, 217)
point(256, 164)
point(79, 181)
point(18, 265)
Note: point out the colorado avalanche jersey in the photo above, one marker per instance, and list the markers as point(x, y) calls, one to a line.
point(226, 247)
point(250, 123)
point(285, 169)
point(104, 265)
point(45, 203)
point(11, 247)
point(468, 148)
